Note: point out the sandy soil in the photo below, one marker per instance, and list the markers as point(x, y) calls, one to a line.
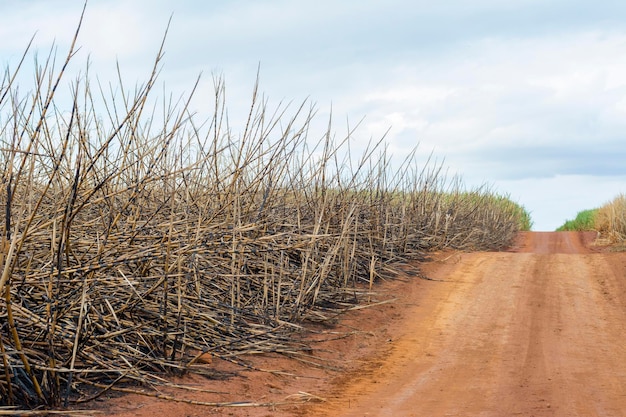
point(536, 331)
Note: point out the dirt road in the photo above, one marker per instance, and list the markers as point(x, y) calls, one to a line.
point(536, 332)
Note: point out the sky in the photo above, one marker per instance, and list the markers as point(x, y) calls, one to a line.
point(526, 96)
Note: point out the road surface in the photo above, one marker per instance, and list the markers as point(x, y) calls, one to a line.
point(540, 331)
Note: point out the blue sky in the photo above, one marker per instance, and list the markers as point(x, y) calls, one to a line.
point(529, 96)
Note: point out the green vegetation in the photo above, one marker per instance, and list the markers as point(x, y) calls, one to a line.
point(609, 220)
point(501, 204)
point(585, 220)
point(133, 241)
point(518, 211)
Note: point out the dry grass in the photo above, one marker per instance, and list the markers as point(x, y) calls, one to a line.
point(610, 220)
point(128, 248)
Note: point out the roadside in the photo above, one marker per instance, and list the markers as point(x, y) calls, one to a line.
point(534, 331)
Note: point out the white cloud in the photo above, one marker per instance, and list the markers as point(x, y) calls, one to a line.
point(505, 91)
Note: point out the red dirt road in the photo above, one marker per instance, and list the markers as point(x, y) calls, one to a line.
point(537, 332)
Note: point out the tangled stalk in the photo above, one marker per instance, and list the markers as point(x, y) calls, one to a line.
point(133, 241)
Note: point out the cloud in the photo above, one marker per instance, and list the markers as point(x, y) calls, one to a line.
point(551, 98)
point(507, 92)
